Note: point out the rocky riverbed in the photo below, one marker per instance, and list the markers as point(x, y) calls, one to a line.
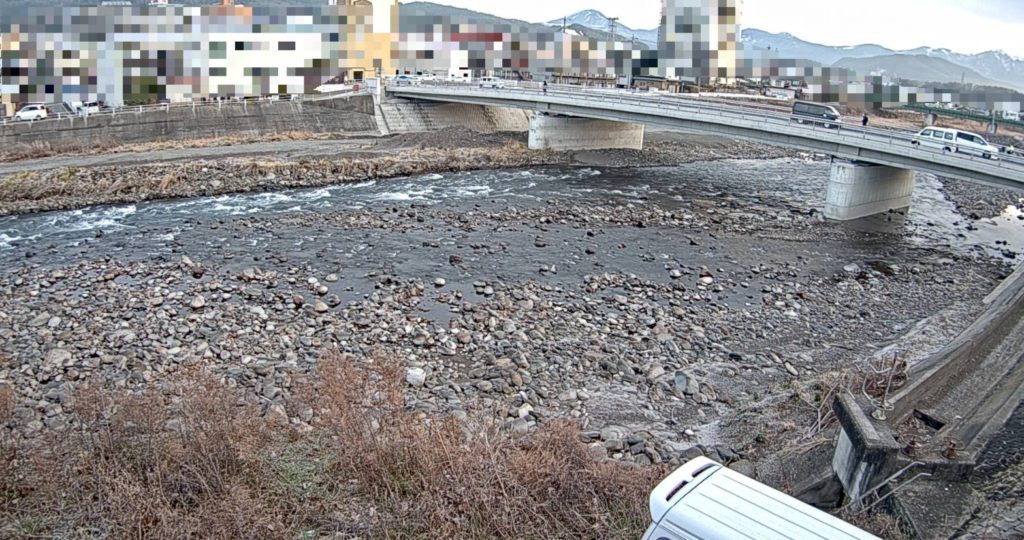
point(672, 311)
point(75, 181)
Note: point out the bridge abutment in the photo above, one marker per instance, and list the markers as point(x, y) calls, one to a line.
point(566, 133)
point(858, 190)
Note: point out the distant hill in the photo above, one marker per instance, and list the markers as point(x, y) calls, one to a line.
point(993, 66)
point(915, 67)
point(466, 15)
point(595, 20)
point(789, 46)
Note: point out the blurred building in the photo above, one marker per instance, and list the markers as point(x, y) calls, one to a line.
point(125, 54)
point(699, 40)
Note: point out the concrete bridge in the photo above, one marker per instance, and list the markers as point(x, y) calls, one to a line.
point(874, 174)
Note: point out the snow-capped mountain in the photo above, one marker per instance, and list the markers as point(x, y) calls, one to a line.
point(789, 46)
point(591, 18)
point(994, 65)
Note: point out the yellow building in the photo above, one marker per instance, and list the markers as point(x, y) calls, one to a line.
point(371, 52)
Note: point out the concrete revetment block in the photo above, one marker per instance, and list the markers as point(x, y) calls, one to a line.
point(860, 190)
point(561, 133)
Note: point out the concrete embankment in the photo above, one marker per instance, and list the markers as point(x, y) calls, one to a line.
point(403, 116)
point(358, 115)
point(352, 116)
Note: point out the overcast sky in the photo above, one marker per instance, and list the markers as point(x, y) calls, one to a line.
point(968, 26)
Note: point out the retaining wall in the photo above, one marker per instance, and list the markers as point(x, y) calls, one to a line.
point(355, 115)
point(402, 116)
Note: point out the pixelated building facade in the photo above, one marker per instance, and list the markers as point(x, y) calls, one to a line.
point(128, 55)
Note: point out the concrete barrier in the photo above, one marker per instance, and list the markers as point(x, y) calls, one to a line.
point(859, 190)
point(125, 126)
point(403, 116)
point(565, 133)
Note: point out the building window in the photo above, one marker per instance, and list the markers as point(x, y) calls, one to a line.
point(218, 50)
point(286, 46)
point(218, 72)
point(239, 45)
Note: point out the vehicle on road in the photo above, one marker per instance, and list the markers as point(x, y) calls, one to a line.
point(703, 500)
point(491, 82)
point(955, 140)
point(805, 112)
point(31, 112)
point(88, 107)
point(406, 80)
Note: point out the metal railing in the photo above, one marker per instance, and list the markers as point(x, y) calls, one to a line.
point(194, 105)
point(750, 116)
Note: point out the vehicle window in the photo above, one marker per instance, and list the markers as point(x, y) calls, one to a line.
point(938, 134)
point(949, 136)
point(965, 137)
point(926, 133)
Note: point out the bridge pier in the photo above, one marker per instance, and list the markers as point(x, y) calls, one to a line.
point(858, 190)
point(567, 133)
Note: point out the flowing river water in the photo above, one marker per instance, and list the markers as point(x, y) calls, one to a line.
point(605, 303)
point(151, 228)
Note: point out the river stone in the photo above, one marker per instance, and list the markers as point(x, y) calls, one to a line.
point(57, 357)
point(198, 302)
point(687, 383)
point(416, 377)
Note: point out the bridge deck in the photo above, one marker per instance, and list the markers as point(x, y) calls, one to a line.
point(883, 147)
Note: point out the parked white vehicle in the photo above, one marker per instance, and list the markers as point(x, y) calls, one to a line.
point(32, 112)
point(491, 82)
point(955, 140)
point(702, 500)
point(89, 107)
point(406, 80)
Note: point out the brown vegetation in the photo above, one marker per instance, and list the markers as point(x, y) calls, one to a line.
point(42, 149)
point(197, 460)
point(66, 188)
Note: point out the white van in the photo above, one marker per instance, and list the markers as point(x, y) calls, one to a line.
point(491, 82)
point(955, 140)
point(32, 112)
point(702, 500)
point(87, 108)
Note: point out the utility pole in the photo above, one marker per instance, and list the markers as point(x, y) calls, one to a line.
point(611, 26)
point(564, 23)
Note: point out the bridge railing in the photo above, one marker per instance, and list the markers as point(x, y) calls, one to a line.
point(781, 121)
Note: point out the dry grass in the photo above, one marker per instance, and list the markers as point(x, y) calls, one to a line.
point(68, 188)
point(42, 149)
point(196, 460)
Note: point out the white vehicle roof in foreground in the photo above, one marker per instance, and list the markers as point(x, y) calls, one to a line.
point(704, 500)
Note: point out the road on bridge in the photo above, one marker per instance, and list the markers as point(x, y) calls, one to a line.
point(763, 124)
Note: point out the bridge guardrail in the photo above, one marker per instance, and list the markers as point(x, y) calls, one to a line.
point(741, 113)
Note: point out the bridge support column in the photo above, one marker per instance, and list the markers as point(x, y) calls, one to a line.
point(859, 190)
point(563, 133)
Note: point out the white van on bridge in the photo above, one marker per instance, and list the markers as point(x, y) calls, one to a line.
point(955, 140)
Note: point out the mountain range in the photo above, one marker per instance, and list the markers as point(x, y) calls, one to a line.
point(591, 18)
point(925, 64)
